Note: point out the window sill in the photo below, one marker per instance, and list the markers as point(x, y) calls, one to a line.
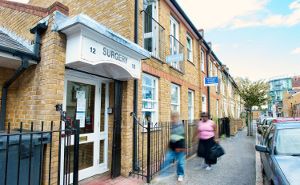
point(177, 70)
point(191, 62)
point(157, 59)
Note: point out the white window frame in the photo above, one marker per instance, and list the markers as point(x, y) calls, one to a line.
point(204, 103)
point(189, 48)
point(192, 106)
point(178, 95)
point(202, 59)
point(210, 68)
point(154, 111)
point(154, 35)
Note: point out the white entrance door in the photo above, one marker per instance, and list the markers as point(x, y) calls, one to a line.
point(87, 99)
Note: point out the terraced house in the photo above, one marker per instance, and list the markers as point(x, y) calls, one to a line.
point(113, 66)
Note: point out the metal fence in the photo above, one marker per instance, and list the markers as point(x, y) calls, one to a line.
point(31, 154)
point(176, 54)
point(152, 145)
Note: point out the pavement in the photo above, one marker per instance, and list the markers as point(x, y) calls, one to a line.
point(236, 167)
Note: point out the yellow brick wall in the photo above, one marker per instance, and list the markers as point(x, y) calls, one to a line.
point(117, 15)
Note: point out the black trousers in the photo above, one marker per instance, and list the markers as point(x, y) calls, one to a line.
point(204, 147)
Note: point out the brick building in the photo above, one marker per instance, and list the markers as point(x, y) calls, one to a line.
point(291, 104)
point(103, 60)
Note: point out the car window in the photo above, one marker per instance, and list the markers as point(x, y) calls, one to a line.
point(288, 142)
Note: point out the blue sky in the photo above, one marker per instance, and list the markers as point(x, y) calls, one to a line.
point(258, 39)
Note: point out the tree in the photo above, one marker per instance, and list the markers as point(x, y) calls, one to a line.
point(253, 94)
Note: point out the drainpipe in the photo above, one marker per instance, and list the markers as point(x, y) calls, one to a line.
point(135, 90)
point(207, 75)
point(37, 30)
point(6, 85)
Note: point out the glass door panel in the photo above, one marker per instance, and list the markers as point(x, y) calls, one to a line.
point(81, 105)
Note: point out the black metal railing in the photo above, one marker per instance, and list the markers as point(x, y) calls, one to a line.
point(154, 36)
point(34, 154)
point(153, 143)
point(176, 57)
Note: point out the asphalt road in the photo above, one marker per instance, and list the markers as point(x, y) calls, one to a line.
point(236, 167)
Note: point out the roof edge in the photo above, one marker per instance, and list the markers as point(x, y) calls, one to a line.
point(35, 10)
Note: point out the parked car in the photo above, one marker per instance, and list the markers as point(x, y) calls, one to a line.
point(280, 153)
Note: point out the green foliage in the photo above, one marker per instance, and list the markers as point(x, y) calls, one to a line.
point(253, 93)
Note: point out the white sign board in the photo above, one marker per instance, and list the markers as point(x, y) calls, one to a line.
point(95, 53)
point(81, 107)
point(174, 58)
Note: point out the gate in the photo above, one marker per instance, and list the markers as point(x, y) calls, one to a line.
point(152, 141)
point(30, 154)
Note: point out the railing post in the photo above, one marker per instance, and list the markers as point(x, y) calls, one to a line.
point(148, 151)
point(76, 153)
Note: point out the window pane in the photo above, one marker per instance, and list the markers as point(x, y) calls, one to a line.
point(148, 116)
point(148, 105)
point(190, 97)
point(174, 94)
point(148, 19)
point(80, 105)
point(147, 80)
point(148, 44)
point(174, 108)
point(148, 93)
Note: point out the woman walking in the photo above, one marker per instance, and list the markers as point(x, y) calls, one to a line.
point(206, 135)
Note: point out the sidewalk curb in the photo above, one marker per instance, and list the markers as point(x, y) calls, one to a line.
point(259, 177)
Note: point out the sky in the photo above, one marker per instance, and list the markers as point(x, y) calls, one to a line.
point(258, 39)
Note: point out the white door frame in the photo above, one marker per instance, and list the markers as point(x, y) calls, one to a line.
point(97, 135)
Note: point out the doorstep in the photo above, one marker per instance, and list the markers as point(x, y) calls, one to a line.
point(107, 180)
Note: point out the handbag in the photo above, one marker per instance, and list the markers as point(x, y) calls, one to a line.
point(216, 151)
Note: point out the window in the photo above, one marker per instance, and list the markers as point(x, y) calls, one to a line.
point(217, 108)
point(174, 43)
point(175, 98)
point(150, 27)
point(189, 47)
point(204, 106)
point(191, 105)
point(174, 32)
point(210, 68)
point(215, 70)
point(202, 60)
point(150, 98)
point(225, 108)
point(288, 142)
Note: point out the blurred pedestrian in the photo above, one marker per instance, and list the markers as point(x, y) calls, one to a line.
point(176, 149)
point(206, 135)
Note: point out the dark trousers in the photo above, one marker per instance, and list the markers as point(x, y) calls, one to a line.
point(204, 148)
